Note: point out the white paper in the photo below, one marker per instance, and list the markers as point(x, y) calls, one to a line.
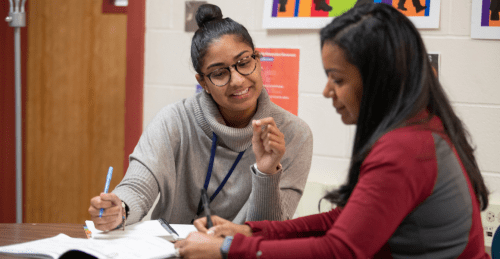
point(143, 228)
point(147, 247)
point(183, 230)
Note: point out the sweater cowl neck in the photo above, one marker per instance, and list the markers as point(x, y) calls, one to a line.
point(210, 120)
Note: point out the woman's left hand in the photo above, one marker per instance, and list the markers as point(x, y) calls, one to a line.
point(199, 245)
point(268, 145)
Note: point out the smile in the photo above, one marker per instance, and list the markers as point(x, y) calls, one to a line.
point(242, 92)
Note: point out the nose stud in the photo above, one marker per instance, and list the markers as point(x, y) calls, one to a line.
point(331, 93)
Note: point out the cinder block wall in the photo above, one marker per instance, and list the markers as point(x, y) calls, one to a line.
point(470, 73)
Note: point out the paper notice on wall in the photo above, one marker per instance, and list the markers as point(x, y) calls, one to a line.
point(280, 76)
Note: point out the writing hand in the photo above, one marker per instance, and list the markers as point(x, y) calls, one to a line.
point(222, 227)
point(199, 245)
point(112, 216)
point(268, 145)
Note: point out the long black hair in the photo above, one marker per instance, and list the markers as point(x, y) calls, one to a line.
point(211, 27)
point(398, 83)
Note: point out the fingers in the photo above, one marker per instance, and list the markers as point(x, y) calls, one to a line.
point(218, 220)
point(198, 245)
point(180, 243)
point(268, 135)
point(106, 202)
point(112, 214)
point(107, 223)
point(272, 139)
point(268, 145)
point(201, 223)
point(110, 197)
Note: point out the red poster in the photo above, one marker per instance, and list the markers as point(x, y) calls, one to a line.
point(280, 74)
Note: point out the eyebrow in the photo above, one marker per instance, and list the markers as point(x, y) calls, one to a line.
point(327, 71)
point(221, 64)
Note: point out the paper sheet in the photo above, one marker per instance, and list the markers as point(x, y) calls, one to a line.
point(143, 228)
point(130, 247)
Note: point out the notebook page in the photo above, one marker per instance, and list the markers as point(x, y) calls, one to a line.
point(143, 228)
point(127, 248)
point(183, 229)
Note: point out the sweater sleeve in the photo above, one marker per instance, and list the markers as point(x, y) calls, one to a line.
point(275, 197)
point(392, 183)
point(152, 165)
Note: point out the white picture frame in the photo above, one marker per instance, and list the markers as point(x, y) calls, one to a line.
point(269, 22)
point(477, 30)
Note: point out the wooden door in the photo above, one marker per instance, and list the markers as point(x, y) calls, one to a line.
point(75, 107)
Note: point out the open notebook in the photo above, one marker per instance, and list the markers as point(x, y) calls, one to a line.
point(147, 247)
point(158, 228)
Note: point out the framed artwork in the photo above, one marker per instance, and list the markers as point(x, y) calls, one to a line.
point(315, 14)
point(485, 20)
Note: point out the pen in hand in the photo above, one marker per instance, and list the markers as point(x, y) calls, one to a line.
point(204, 199)
point(106, 187)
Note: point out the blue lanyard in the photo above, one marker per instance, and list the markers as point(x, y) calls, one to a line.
point(209, 172)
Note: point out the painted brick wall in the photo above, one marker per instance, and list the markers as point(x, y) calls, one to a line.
point(470, 73)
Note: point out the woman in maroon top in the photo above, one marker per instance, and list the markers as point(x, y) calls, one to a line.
point(414, 189)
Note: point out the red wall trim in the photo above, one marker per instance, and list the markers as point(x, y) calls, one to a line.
point(8, 115)
point(109, 7)
point(134, 81)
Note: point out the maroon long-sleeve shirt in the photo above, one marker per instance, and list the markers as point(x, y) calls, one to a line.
point(413, 200)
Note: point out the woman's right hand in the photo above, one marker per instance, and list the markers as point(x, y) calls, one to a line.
point(222, 227)
point(113, 211)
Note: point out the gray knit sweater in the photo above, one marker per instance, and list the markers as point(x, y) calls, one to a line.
point(173, 154)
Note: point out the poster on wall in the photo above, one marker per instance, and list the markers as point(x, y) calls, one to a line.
point(315, 14)
point(280, 76)
point(485, 20)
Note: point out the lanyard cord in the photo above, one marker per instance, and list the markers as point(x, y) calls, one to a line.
point(209, 172)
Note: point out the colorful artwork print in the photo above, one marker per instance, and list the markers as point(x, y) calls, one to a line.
point(485, 20)
point(327, 8)
point(412, 8)
point(310, 8)
point(315, 14)
point(490, 13)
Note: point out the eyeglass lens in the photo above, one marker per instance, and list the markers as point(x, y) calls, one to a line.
point(221, 76)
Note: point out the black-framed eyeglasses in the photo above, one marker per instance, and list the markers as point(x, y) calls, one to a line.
point(222, 76)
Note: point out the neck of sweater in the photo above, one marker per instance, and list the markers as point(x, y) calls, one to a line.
point(211, 121)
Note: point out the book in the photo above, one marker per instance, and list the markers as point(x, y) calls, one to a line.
point(159, 228)
point(147, 247)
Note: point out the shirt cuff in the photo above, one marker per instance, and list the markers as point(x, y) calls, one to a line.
point(256, 171)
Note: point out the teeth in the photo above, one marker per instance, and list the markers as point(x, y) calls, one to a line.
point(242, 92)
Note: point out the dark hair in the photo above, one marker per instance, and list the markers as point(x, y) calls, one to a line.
point(398, 82)
point(211, 27)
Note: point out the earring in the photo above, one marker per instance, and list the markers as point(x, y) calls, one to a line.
point(207, 91)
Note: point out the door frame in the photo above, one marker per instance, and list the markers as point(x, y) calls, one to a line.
point(134, 91)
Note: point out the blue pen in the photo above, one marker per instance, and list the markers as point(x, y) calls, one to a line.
point(106, 187)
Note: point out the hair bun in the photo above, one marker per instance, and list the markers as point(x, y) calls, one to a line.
point(207, 13)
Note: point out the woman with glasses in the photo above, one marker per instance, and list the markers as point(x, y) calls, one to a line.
point(230, 140)
point(413, 190)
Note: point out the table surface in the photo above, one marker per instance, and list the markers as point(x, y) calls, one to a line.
point(12, 233)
